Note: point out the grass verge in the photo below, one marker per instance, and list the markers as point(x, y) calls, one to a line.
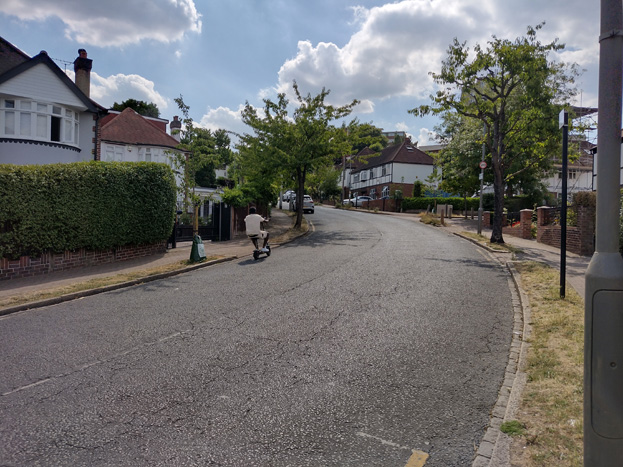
point(551, 407)
point(431, 219)
point(494, 246)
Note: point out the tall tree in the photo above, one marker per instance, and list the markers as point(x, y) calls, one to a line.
point(203, 151)
point(140, 107)
point(516, 92)
point(461, 138)
point(296, 144)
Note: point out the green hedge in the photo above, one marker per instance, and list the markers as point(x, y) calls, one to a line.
point(458, 204)
point(92, 205)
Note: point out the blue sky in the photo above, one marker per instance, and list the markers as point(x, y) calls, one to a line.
point(219, 54)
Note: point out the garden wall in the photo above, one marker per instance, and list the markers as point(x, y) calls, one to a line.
point(26, 266)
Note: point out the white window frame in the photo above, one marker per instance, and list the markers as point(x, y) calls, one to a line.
point(32, 118)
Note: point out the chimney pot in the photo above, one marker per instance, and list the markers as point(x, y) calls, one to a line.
point(82, 68)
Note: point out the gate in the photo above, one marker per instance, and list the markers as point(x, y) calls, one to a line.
point(216, 226)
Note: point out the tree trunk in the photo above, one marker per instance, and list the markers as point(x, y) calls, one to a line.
point(498, 200)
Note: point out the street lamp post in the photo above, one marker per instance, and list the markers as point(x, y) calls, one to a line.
point(603, 317)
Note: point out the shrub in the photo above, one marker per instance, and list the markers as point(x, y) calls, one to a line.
point(92, 205)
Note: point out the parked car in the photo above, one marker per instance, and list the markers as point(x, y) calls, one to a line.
point(357, 201)
point(308, 204)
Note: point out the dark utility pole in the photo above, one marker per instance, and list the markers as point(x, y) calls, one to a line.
point(603, 331)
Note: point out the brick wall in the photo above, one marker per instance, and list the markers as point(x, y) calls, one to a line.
point(48, 262)
point(580, 239)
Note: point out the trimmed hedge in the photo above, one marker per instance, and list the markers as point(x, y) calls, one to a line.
point(92, 205)
point(424, 203)
point(514, 204)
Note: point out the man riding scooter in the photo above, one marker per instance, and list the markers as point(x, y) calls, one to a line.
point(254, 231)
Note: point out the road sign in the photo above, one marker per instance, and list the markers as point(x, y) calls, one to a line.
point(483, 165)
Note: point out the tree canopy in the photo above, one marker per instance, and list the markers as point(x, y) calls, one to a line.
point(204, 151)
point(291, 146)
point(140, 107)
point(516, 93)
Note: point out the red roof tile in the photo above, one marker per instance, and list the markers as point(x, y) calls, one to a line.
point(130, 128)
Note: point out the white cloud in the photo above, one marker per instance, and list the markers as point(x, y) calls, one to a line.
point(113, 22)
point(118, 88)
point(426, 137)
point(398, 44)
point(224, 118)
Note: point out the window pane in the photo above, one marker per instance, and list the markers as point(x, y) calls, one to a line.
point(9, 104)
point(42, 107)
point(56, 110)
point(25, 105)
point(68, 113)
point(42, 126)
point(24, 124)
point(68, 127)
point(9, 123)
point(55, 129)
point(76, 134)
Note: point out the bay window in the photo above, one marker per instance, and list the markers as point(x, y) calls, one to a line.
point(26, 119)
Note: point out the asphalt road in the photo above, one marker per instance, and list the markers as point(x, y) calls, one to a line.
point(370, 338)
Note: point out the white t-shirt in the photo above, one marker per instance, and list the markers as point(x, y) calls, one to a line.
point(254, 224)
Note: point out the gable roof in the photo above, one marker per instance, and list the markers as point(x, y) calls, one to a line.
point(17, 62)
point(128, 127)
point(405, 153)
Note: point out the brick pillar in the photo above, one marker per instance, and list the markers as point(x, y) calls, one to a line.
point(486, 219)
point(525, 221)
point(542, 215)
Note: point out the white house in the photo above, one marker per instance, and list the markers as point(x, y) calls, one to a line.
point(44, 116)
point(372, 175)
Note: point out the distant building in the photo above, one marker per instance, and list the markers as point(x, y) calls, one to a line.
point(398, 165)
point(391, 136)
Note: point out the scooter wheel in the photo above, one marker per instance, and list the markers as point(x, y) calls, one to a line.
point(256, 255)
point(268, 248)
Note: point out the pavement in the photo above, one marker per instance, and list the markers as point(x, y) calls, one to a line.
point(494, 448)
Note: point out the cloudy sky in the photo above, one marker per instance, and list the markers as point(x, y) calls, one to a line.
point(218, 54)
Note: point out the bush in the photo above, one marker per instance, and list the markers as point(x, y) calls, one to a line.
point(92, 205)
point(424, 203)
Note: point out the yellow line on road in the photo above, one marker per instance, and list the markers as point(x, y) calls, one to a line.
point(417, 459)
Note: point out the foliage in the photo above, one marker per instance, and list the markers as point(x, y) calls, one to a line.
point(418, 187)
point(516, 92)
point(409, 204)
point(459, 159)
point(285, 147)
point(203, 152)
point(92, 205)
point(585, 198)
point(323, 183)
point(140, 107)
point(364, 135)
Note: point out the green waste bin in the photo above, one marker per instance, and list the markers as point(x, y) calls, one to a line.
point(197, 253)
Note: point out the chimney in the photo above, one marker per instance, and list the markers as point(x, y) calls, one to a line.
point(82, 67)
point(176, 127)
